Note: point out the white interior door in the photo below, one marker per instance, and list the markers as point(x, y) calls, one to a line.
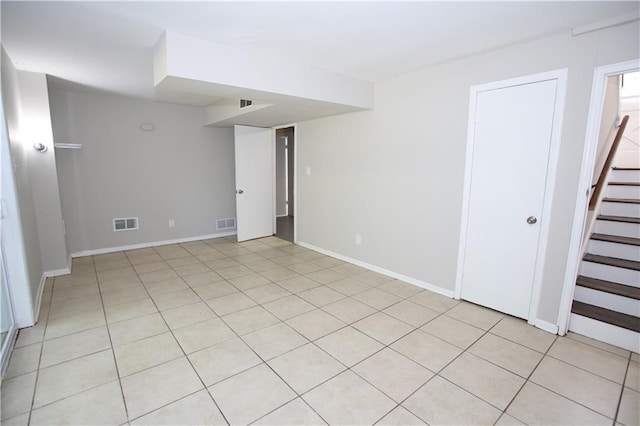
point(254, 182)
point(511, 147)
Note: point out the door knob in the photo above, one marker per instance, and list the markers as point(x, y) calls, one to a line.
point(531, 220)
point(239, 191)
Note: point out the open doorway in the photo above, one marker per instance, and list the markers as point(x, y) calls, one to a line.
point(285, 146)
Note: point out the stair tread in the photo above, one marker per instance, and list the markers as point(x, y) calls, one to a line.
point(605, 315)
point(619, 218)
point(626, 168)
point(622, 200)
point(612, 261)
point(625, 183)
point(609, 287)
point(616, 239)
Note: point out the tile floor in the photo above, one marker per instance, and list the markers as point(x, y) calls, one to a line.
point(266, 332)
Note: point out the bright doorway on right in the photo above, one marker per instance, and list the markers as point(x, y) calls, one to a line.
point(285, 145)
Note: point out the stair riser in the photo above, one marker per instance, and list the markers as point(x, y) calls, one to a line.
point(604, 332)
point(610, 273)
point(623, 191)
point(623, 229)
point(620, 209)
point(613, 302)
point(625, 176)
point(621, 251)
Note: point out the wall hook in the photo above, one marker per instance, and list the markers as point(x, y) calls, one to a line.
point(40, 147)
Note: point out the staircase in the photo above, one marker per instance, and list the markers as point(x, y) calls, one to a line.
point(606, 304)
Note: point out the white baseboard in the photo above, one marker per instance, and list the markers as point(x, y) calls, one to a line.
point(38, 302)
point(150, 244)
point(392, 274)
point(57, 272)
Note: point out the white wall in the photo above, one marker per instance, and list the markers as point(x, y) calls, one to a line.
point(180, 170)
point(608, 124)
point(395, 174)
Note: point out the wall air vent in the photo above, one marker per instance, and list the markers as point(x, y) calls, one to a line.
point(229, 223)
point(245, 103)
point(125, 224)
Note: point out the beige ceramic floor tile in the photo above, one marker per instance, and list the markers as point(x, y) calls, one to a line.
point(400, 416)
point(215, 290)
point(248, 320)
point(427, 350)
point(377, 299)
point(274, 340)
point(223, 360)
point(137, 328)
point(411, 313)
point(135, 309)
point(23, 360)
point(475, 315)
point(187, 315)
point(349, 286)
point(519, 331)
point(142, 354)
point(114, 297)
point(453, 331)
point(315, 324)
point(152, 277)
point(229, 304)
point(166, 286)
point(151, 389)
point(266, 293)
point(349, 346)
point(297, 284)
point(383, 328)
point(629, 413)
point(76, 345)
point(440, 402)
point(633, 376)
point(71, 377)
point(368, 277)
point(325, 276)
point(598, 344)
point(31, 335)
point(202, 278)
point(195, 409)
point(400, 288)
point(21, 420)
point(511, 356)
point(151, 267)
point(489, 382)
point(106, 402)
point(202, 335)
point(175, 299)
point(306, 367)
point(74, 323)
point(335, 399)
point(305, 267)
point(507, 420)
point(234, 273)
point(195, 268)
point(557, 410)
point(16, 395)
point(393, 374)
point(434, 301)
point(250, 395)
point(288, 307)
point(349, 310)
point(597, 361)
point(578, 385)
point(321, 296)
point(262, 265)
point(294, 413)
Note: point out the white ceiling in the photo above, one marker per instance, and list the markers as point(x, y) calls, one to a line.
point(109, 45)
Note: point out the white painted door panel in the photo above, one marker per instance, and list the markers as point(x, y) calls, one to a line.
point(254, 182)
point(511, 146)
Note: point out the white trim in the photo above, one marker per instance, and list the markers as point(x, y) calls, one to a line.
point(544, 325)
point(556, 133)
point(611, 334)
point(295, 177)
point(38, 304)
point(392, 274)
point(574, 256)
point(57, 272)
point(6, 354)
point(150, 244)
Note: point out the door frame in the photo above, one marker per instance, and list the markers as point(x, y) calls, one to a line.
point(560, 76)
point(596, 104)
point(295, 179)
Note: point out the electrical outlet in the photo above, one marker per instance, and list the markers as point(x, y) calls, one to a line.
point(358, 240)
point(172, 223)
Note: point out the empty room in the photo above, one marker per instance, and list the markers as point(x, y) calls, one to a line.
point(308, 213)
